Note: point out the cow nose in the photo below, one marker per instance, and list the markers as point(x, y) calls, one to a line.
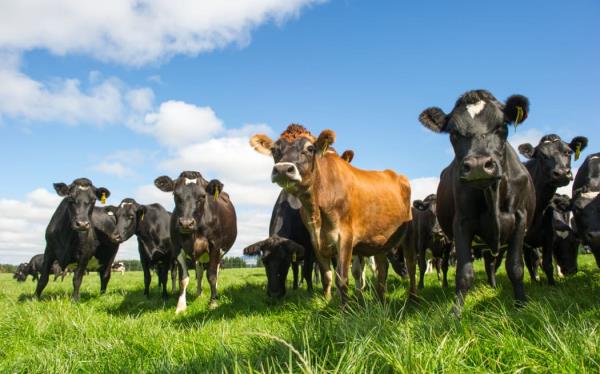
point(82, 225)
point(187, 223)
point(478, 167)
point(285, 171)
point(116, 238)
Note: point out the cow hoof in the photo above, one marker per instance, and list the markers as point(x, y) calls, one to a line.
point(181, 307)
point(520, 304)
point(536, 278)
point(212, 305)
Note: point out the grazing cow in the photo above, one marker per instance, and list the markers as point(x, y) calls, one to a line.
point(565, 244)
point(277, 254)
point(77, 231)
point(346, 210)
point(586, 204)
point(33, 268)
point(549, 164)
point(485, 192)
point(426, 233)
point(151, 224)
point(119, 267)
point(203, 227)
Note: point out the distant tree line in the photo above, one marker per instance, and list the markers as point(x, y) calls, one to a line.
point(7, 268)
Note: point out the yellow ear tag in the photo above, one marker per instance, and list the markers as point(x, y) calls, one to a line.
point(216, 195)
point(294, 257)
point(103, 198)
point(142, 217)
point(577, 151)
point(519, 118)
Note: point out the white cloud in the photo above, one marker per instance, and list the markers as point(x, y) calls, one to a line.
point(422, 187)
point(69, 101)
point(136, 32)
point(522, 136)
point(177, 123)
point(114, 168)
point(122, 163)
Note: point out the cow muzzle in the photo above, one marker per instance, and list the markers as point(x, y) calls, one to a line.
point(561, 177)
point(187, 225)
point(116, 237)
point(478, 168)
point(81, 225)
point(285, 173)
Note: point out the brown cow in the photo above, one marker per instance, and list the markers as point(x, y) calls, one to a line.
point(345, 209)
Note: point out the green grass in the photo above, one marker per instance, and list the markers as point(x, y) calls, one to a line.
point(122, 331)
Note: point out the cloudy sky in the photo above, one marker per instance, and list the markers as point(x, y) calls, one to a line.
point(123, 91)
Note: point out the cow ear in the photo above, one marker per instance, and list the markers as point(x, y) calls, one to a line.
point(164, 184)
point(516, 109)
point(578, 144)
point(140, 212)
point(526, 150)
point(61, 189)
point(348, 155)
point(102, 194)
point(252, 250)
point(214, 188)
point(326, 138)
point(419, 205)
point(434, 119)
point(261, 144)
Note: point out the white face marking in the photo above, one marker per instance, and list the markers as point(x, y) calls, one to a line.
point(83, 188)
point(125, 204)
point(188, 181)
point(562, 234)
point(110, 213)
point(475, 109)
point(295, 174)
point(590, 195)
point(594, 157)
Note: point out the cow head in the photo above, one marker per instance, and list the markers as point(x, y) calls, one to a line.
point(81, 197)
point(295, 154)
point(566, 250)
point(478, 128)
point(128, 215)
point(277, 255)
point(429, 204)
point(554, 156)
point(192, 194)
point(21, 272)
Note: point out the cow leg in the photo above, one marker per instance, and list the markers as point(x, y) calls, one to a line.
point(105, 274)
point(490, 268)
point(213, 276)
point(410, 257)
point(358, 273)
point(317, 271)
point(514, 258)
point(78, 276)
point(199, 275)
point(295, 274)
point(147, 278)
point(596, 253)
point(342, 269)
point(184, 281)
point(422, 267)
point(445, 263)
point(48, 260)
point(307, 271)
point(163, 275)
point(547, 262)
point(464, 262)
point(326, 274)
point(437, 263)
point(382, 266)
point(531, 263)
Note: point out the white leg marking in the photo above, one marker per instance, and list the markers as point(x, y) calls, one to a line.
point(182, 303)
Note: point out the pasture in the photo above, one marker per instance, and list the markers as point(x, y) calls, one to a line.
point(122, 331)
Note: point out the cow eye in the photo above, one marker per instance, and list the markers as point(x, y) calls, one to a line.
point(310, 149)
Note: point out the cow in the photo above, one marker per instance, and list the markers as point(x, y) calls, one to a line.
point(425, 233)
point(277, 254)
point(549, 164)
point(203, 227)
point(33, 268)
point(119, 267)
point(345, 209)
point(586, 204)
point(565, 244)
point(77, 232)
point(485, 192)
point(151, 224)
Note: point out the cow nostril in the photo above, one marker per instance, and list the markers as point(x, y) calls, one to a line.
point(290, 169)
point(489, 165)
point(466, 168)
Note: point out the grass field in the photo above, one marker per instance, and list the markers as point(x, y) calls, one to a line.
point(122, 331)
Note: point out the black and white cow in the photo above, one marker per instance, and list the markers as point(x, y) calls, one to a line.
point(565, 244)
point(152, 226)
point(77, 232)
point(485, 191)
point(203, 227)
point(586, 204)
point(549, 164)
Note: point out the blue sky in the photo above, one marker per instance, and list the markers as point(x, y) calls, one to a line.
point(363, 68)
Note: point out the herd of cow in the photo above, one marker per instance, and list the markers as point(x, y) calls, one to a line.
point(488, 204)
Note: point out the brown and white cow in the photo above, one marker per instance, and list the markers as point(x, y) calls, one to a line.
point(345, 209)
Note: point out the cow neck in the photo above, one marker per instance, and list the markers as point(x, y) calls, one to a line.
point(544, 192)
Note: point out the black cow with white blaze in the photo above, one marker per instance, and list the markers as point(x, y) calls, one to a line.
point(549, 164)
point(586, 204)
point(203, 227)
point(485, 191)
point(151, 224)
point(77, 232)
